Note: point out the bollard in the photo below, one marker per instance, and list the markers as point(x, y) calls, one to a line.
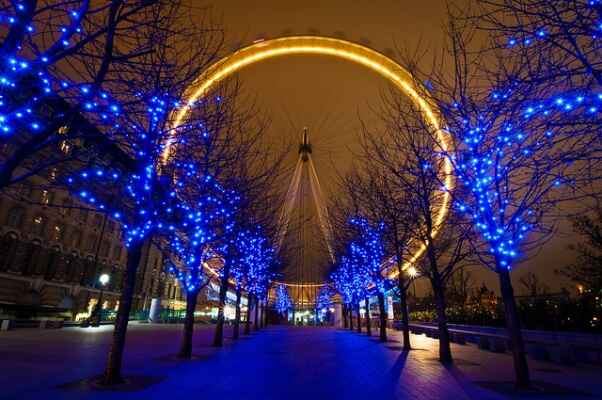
point(5, 325)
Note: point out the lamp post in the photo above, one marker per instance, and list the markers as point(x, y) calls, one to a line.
point(413, 274)
point(103, 279)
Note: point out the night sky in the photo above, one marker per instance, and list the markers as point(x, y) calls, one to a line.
point(332, 96)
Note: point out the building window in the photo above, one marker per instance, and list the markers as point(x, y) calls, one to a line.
point(105, 248)
point(15, 217)
point(45, 197)
point(24, 191)
point(76, 238)
point(57, 232)
point(91, 245)
point(97, 220)
point(65, 147)
point(37, 227)
point(83, 215)
point(117, 252)
point(66, 209)
point(53, 174)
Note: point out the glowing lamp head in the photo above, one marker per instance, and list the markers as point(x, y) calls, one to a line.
point(104, 279)
point(412, 272)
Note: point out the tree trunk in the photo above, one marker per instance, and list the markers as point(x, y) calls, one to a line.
point(445, 355)
point(344, 312)
point(112, 373)
point(256, 322)
point(350, 312)
point(265, 313)
point(359, 318)
point(236, 330)
point(218, 338)
point(521, 369)
point(368, 322)
point(186, 348)
point(405, 318)
point(248, 321)
point(382, 317)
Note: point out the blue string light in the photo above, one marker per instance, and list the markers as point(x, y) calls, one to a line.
point(361, 265)
point(283, 300)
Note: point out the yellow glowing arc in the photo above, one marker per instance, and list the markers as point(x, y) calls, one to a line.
point(343, 49)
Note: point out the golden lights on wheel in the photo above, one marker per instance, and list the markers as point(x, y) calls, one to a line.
point(324, 46)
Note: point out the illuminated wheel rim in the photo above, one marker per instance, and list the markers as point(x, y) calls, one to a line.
point(345, 50)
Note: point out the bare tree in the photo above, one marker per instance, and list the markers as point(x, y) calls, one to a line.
point(347, 277)
point(251, 168)
point(382, 198)
point(149, 92)
point(532, 284)
point(62, 57)
point(206, 209)
point(522, 123)
point(460, 286)
point(559, 40)
point(409, 152)
point(586, 270)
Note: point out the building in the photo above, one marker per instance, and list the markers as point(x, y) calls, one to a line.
point(54, 249)
point(52, 254)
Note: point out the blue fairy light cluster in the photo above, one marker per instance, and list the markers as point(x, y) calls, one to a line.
point(196, 242)
point(515, 150)
point(324, 298)
point(361, 266)
point(253, 264)
point(283, 300)
point(172, 198)
point(579, 19)
point(27, 79)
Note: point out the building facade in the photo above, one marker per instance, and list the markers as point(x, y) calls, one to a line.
point(54, 249)
point(51, 257)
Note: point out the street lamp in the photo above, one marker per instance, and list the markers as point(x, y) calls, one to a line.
point(413, 274)
point(103, 279)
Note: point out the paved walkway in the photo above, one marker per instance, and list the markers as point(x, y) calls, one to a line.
point(281, 363)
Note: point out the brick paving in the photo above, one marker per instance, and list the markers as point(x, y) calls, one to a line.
point(276, 363)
